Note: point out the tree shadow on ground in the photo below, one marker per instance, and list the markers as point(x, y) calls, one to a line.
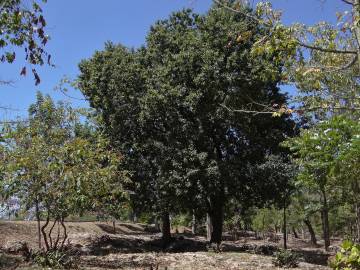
point(127, 229)
point(108, 244)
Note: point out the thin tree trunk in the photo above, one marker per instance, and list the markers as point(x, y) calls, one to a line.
point(284, 228)
point(50, 232)
point(311, 231)
point(165, 228)
point(208, 227)
point(58, 234)
point(65, 233)
point(37, 214)
point(325, 221)
point(357, 209)
point(295, 233)
point(356, 190)
point(44, 232)
point(114, 227)
point(134, 219)
point(193, 223)
point(157, 225)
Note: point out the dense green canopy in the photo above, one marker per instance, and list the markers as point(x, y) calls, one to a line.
point(166, 106)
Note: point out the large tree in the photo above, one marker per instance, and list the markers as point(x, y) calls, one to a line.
point(168, 106)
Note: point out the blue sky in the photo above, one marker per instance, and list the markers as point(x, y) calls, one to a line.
point(79, 27)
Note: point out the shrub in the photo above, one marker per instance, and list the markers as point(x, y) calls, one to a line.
point(8, 262)
point(286, 258)
point(57, 259)
point(181, 220)
point(348, 258)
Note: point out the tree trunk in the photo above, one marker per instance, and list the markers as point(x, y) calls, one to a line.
point(295, 233)
point(357, 209)
point(44, 232)
point(165, 228)
point(37, 214)
point(326, 230)
point(156, 224)
point(284, 228)
point(325, 222)
point(217, 219)
point(193, 223)
point(114, 226)
point(208, 227)
point(311, 231)
point(65, 233)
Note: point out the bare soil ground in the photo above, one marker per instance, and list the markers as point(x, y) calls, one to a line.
point(135, 246)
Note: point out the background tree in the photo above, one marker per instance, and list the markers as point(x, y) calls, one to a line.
point(316, 151)
point(59, 173)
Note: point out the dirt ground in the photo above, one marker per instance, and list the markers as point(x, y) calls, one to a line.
point(134, 246)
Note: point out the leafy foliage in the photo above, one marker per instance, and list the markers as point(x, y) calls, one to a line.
point(56, 259)
point(348, 258)
point(23, 26)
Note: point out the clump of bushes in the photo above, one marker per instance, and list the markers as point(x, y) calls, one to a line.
point(286, 258)
point(348, 258)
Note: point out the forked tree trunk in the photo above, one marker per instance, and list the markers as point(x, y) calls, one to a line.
point(311, 231)
point(165, 228)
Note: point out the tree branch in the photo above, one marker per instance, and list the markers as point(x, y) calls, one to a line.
point(246, 111)
point(312, 47)
point(334, 69)
point(348, 2)
point(238, 11)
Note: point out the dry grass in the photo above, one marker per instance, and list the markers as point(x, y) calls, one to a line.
point(85, 232)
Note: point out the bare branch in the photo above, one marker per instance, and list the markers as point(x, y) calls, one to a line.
point(246, 111)
point(12, 122)
point(348, 2)
point(312, 47)
point(2, 82)
point(65, 94)
point(238, 11)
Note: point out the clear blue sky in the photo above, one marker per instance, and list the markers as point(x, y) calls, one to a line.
point(79, 27)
